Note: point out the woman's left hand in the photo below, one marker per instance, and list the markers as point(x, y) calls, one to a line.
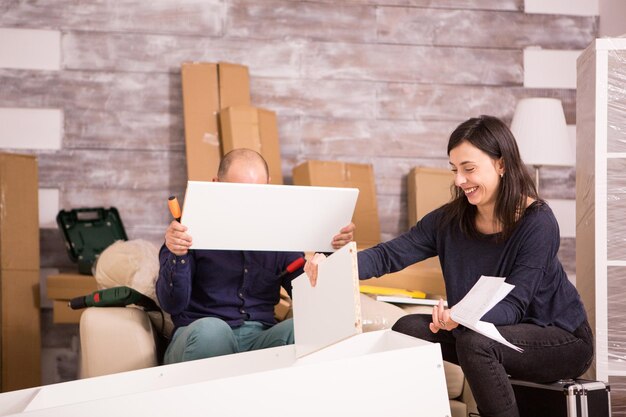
point(441, 319)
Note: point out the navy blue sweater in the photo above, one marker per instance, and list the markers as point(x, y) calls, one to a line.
point(527, 259)
point(234, 286)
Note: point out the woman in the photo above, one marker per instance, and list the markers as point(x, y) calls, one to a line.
point(496, 226)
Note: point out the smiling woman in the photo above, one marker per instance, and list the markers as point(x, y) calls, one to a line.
point(496, 225)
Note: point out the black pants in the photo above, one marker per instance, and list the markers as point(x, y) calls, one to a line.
point(550, 353)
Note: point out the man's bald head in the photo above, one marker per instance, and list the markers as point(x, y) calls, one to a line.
point(244, 166)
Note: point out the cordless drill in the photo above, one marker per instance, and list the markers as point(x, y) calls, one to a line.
point(114, 297)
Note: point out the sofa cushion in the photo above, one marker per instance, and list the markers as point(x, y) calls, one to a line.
point(134, 264)
point(132, 347)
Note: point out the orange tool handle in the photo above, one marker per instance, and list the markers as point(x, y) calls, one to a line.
point(172, 202)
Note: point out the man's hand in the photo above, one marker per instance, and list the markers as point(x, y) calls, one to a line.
point(176, 240)
point(310, 268)
point(345, 235)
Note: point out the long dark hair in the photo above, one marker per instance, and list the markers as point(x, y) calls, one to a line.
point(492, 136)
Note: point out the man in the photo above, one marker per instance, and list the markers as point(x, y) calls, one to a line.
point(222, 301)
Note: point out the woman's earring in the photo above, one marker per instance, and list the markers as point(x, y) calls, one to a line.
point(501, 174)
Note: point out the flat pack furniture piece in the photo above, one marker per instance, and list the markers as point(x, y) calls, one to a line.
point(235, 216)
point(567, 398)
point(398, 374)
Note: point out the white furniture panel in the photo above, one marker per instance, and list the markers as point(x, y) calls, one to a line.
point(236, 216)
point(337, 286)
point(406, 374)
point(30, 49)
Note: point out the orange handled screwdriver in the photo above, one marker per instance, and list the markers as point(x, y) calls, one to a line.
point(172, 202)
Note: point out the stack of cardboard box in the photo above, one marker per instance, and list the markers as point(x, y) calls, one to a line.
point(219, 118)
point(20, 342)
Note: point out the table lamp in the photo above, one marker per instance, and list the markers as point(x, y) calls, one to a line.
point(541, 133)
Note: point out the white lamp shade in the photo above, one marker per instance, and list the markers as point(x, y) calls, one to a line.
point(541, 132)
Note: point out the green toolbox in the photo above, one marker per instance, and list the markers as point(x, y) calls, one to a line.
point(89, 231)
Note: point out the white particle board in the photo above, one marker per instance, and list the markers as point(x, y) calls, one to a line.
point(236, 216)
point(338, 288)
point(403, 371)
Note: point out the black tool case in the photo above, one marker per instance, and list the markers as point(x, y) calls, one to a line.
point(566, 398)
point(89, 231)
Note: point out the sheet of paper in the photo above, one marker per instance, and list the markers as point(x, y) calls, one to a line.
point(489, 330)
point(483, 296)
point(286, 218)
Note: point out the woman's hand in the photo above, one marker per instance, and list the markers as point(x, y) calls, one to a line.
point(441, 319)
point(310, 267)
point(176, 239)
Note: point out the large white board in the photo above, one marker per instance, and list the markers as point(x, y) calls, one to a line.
point(266, 217)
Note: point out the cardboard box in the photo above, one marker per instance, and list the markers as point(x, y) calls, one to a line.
point(21, 329)
point(66, 286)
point(207, 88)
point(427, 189)
point(61, 288)
point(341, 174)
point(200, 108)
point(256, 129)
point(234, 85)
point(19, 212)
point(329, 379)
point(20, 346)
point(63, 314)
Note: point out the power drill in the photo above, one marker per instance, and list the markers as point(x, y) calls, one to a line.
point(114, 297)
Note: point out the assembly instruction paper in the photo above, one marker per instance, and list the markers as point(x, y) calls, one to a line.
point(483, 296)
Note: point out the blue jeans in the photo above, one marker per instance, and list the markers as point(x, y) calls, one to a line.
point(550, 353)
point(210, 336)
